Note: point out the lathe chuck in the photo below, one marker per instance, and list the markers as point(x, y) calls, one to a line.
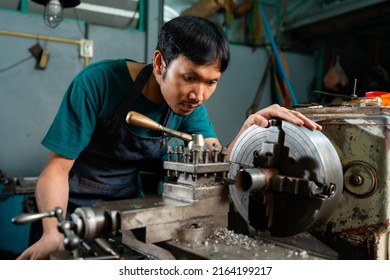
point(304, 192)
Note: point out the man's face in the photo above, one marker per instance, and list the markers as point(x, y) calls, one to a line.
point(185, 85)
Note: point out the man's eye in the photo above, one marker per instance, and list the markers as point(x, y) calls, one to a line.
point(211, 83)
point(188, 78)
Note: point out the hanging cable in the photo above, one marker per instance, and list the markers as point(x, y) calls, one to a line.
point(78, 22)
point(16, 64)
point(277, 57)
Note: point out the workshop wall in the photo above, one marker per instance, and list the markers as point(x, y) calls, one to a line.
point(30, 97)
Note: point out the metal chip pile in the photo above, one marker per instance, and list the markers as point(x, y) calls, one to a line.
point(228, 237)
point(254, 245)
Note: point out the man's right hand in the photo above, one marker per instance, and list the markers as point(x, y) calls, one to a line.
point(44, 247)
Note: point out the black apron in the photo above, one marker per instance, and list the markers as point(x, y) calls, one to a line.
point(109, 167)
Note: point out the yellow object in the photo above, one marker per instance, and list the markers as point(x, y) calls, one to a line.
point(365, 101)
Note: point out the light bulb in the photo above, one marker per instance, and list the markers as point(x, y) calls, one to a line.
point(53, 13)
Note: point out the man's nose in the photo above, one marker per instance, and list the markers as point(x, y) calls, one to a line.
point(198, 93)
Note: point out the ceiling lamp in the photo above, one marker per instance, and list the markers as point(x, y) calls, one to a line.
point(53, 10)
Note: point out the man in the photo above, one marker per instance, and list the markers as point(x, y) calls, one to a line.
point(96, 156)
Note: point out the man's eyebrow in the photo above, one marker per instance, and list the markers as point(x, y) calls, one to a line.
point(196, 74)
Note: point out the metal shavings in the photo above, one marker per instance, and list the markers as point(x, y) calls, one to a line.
point(228, 237)
point(256, 245)
point(295, 253)
point(225, 244)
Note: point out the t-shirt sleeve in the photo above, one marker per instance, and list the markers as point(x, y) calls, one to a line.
point(74, 123)
point(198, 122)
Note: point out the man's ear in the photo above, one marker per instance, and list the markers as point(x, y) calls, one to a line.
point(158, 62)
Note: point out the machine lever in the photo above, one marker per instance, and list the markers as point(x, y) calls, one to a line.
point(29, 218)
point(140, 120)
point(71, 241)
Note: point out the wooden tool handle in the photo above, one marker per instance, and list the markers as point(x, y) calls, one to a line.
point(140, 120)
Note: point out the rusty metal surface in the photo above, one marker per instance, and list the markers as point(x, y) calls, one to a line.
point(343, 110)
point(359, 227)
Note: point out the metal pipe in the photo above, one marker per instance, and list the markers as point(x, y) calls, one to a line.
point(44, 38)
point(40, 37)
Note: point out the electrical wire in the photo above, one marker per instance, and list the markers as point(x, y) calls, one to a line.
point(278, 58)
point(16, 64)
point(78, 22)
point(131, 20)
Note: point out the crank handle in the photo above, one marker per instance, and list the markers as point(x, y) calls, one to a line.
point(140, 120)
point(29, 218)
point(71, 241)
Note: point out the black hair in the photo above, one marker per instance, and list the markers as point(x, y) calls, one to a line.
point(197, 38)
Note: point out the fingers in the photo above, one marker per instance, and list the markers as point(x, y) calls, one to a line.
point(275, 111)
point(26, 255)
point(22, 257)
point(259, 120)
point(306, 121)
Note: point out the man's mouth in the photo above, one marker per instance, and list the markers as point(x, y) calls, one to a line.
point(189, 107)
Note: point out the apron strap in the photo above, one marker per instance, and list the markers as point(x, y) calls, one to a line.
point(134, 92)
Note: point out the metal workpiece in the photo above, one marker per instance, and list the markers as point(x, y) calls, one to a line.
point(250, 179)
point(359, 227)
point(194, 234)
point(307, 188)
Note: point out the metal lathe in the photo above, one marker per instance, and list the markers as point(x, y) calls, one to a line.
point(328, 197)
